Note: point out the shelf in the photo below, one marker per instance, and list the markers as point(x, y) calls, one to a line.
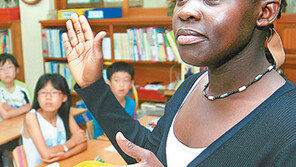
point(48, 59)
point(16, 40)
point(156, 20)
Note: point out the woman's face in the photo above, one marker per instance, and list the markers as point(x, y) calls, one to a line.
point(210, 32)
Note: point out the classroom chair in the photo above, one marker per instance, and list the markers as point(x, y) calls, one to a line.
point(19, 157)
point(136, 98)
point(90, 129)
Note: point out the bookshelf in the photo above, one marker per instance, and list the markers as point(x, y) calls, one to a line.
point(145, 71)
point(16, 37)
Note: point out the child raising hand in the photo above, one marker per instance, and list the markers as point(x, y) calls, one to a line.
point(48, 125)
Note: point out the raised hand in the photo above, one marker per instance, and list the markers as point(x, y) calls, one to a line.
point(84, 52)
point(145, 158)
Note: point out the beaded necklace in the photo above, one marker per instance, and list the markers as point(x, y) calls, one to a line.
point(257, 78)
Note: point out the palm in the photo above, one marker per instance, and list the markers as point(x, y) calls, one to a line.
point(84, 52)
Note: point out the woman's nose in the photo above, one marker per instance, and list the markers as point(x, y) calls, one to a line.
point(190, 11)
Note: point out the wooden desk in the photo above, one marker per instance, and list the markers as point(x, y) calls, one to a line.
point(10, 129)
point(145, 120)
point(95, 148)
point(167, 93)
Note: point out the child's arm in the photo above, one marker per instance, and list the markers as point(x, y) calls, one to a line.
point(31, 126)
point(78, 136)
point(6, 111)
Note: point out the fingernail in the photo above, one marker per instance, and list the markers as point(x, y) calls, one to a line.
point(121, 136)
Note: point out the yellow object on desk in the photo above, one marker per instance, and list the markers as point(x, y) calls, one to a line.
point(92, 164)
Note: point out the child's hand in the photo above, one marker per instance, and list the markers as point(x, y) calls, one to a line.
point(54, 157)
point(144, 157)
point(84, 52)
point(6, 106)
point(79, 137)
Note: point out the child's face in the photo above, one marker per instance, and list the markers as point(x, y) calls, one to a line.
point(8, 72)
point(207, 31)
point(50, 99)
point(120, 83)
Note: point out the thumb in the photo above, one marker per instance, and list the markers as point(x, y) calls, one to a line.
point(98, 43)
point(130, 148)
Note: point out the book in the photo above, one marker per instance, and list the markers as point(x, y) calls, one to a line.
point(103, 13)
point(106, 48)
point(171, 38)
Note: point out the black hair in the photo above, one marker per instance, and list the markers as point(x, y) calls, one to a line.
point(6, 56)
point(120, 66)
point(59, 83)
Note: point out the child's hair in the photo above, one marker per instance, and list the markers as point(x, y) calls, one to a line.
point(120, 66)
point(5, 56)
point(59, 83)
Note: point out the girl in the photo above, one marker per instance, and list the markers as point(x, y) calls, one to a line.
point(48, 125)
point(239, 112)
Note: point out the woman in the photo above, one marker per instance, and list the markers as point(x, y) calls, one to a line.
point(240, 112)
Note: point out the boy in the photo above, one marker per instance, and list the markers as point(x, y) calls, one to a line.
point(15, 95)
point(120, 79)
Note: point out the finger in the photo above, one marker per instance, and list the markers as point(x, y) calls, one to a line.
point(77, 27)
point(130, 148)
point(98, 44)
point(88, 34)
point(71, 31)
point(67, 43)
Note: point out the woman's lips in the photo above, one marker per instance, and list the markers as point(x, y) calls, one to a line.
point(189, 39)
point(187, 36)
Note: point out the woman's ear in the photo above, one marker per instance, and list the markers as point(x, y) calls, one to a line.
point(269, 12)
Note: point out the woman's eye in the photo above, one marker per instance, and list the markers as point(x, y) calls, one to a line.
point(212, 2)
point(180, 2)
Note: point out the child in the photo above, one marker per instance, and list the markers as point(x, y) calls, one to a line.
point(48, 125)
point(15, 95)
point(120, 79)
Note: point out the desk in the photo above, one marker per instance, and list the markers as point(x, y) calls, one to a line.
point(167, 93)
point(11, 128)
point(145, 120)
point(95, 148)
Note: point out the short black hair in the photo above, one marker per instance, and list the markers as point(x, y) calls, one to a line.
point(120, 66)
point(6, 56)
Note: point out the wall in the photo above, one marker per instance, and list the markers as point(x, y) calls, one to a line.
point(31, 39)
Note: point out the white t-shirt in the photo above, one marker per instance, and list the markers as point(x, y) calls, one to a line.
point(177, 153)
point(20, 96)
point(53, 136)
